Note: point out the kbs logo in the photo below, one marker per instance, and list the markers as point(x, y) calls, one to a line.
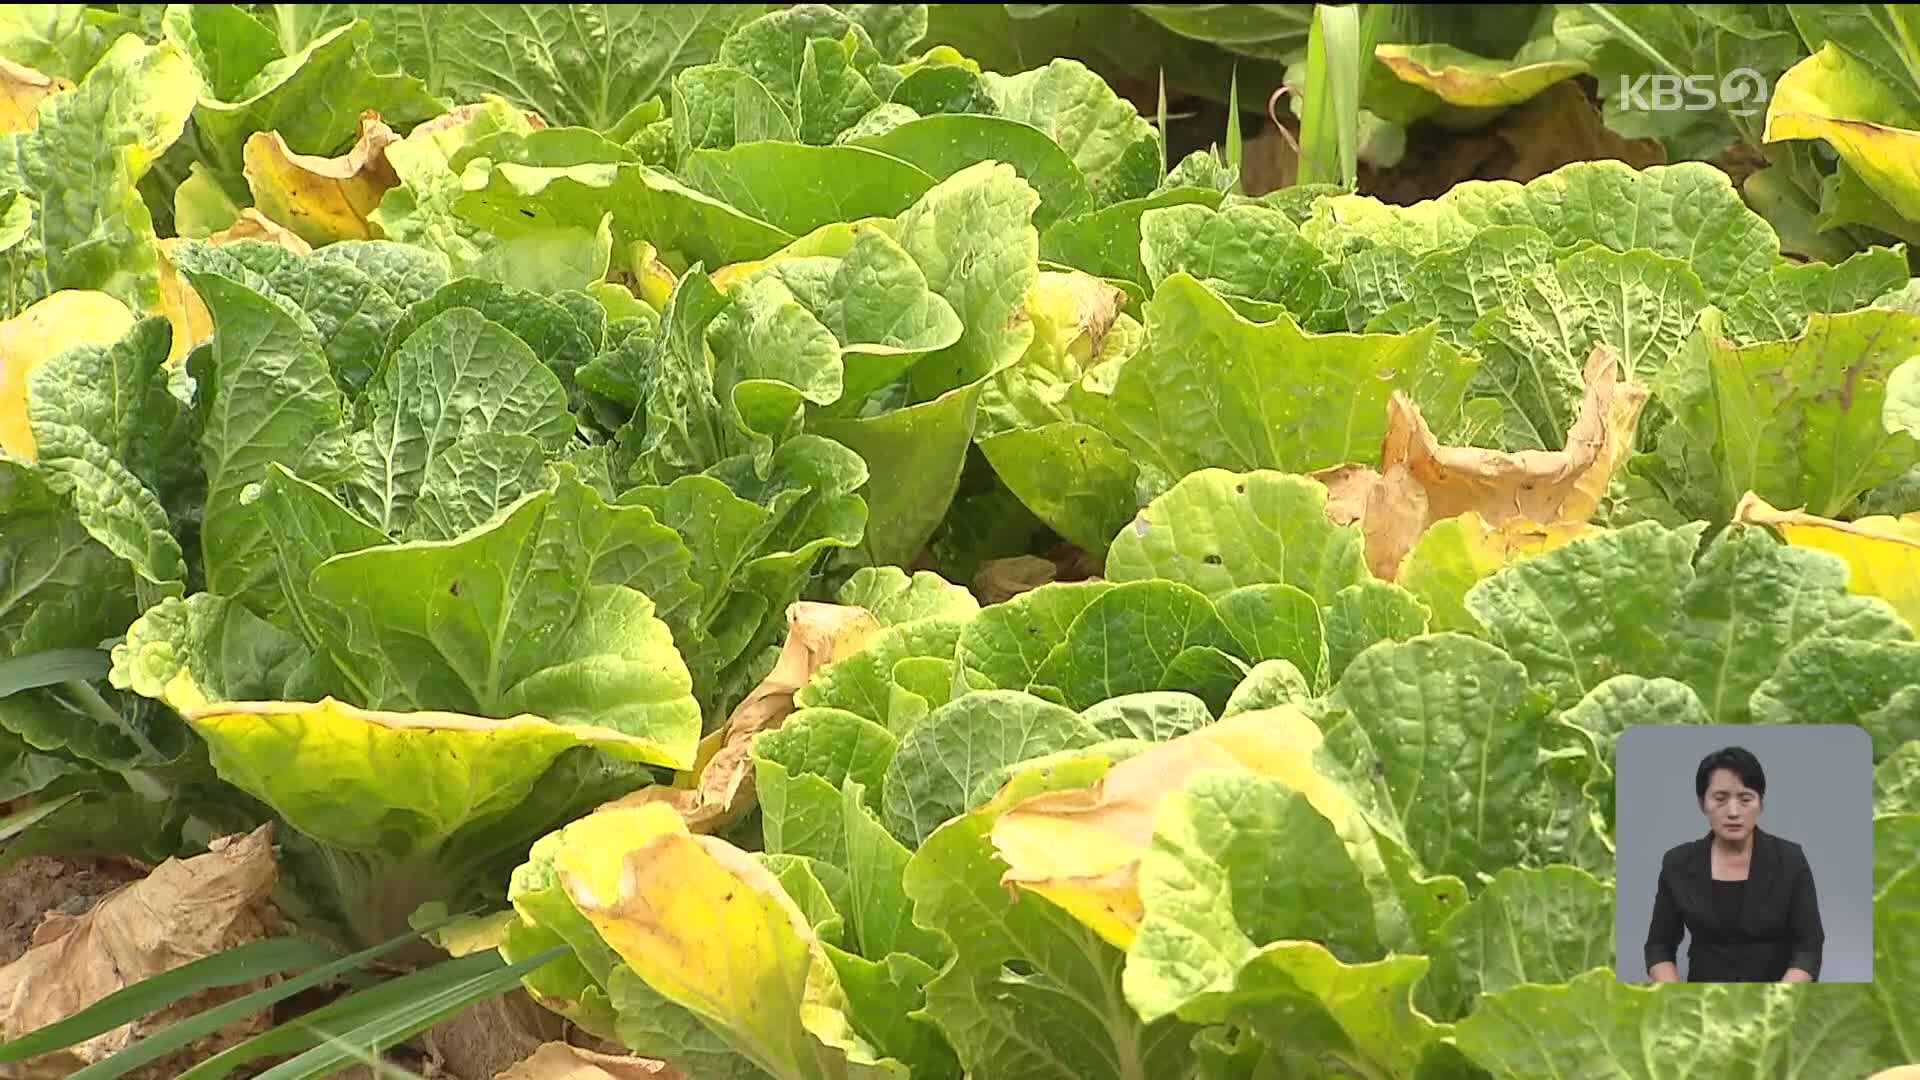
point(1742, 92)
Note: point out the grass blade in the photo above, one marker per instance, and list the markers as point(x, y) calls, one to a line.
point(1621, 32)
point(254, 960)
point(1321, 157)
point(1374, 25)
point(1904, 28)
point(51, 667)
point(182, 1032)
point(398, 1024)
point(1339, 59)
point(1235, 151)
point(1162, 121)
point(347, 1014)
point(1342, 60)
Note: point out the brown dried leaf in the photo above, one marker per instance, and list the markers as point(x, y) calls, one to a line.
point(1347, 489)
point(1421, 482)
point(1074, 311)
point(254, 225)
point(561, 1061)
point(183, 911)
point(1398, 510)
point(1000, 580)
point(22, 89)
point(322, 199)
point(817, 635)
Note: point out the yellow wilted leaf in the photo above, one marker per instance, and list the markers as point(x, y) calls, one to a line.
point(1420, 482)
point(467, 766)
point(652, 281)
point(677, 892)
point(22, 89)
point(192, 323)
point(1461, 78)
point(1882, 553)
point(1452, 556)
point(1081, 848)
point(720, 788)
point(600, 841)
point(1834, 96)
point(50, 327)
point(322, 199)
point(724, 278)
point(1072, 312)
point(708, 926)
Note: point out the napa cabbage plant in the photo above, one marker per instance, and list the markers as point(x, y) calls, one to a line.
point(415, 565)
point(1137, 809)
point(94, 505)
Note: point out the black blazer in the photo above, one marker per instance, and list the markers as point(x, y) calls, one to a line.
point(1779, 924)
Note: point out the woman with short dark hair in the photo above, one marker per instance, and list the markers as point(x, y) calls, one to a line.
point(1746, 895)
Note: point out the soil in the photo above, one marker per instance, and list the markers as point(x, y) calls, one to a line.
point(39, 884)
point(485, 1040)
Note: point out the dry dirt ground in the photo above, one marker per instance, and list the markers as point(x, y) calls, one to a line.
point(42, 883)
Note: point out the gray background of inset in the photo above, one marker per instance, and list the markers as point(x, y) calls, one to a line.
point(1819, 795)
